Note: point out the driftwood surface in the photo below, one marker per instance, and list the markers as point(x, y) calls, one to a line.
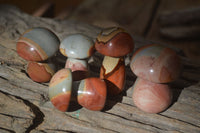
point(182, 24)
point(25, 107)
point(181, 32)
point(133, 15)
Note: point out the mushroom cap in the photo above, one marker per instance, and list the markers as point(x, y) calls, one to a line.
point(37, 44)
point(156, 63)
point(114, 42)
point(77, 46)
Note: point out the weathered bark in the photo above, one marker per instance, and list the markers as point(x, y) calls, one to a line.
point(25, 107)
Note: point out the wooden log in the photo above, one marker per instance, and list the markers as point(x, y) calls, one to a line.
point(188, 46)
point(15, 115)
point(171, 8)
point(46, 10)
point(133, 15)
point(190, 16)
point(65, 13)
point(186, 32)
point(25, 106)
point(181, 24)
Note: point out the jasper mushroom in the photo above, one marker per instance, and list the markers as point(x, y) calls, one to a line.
point(37, 44)
point(40, 72)
point(114, 43)
point(156, 63)
point(92, 93)
point(60, 89)
point(77, 47)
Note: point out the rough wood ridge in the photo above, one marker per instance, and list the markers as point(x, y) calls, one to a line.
point(25, 107)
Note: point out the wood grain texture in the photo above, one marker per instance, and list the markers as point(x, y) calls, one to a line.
point(183, 37)
point(25, 106)
point(133, 15)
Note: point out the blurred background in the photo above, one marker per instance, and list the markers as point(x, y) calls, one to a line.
point(172, 22)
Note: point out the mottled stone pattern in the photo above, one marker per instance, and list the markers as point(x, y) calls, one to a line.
point(151, 97)
point(92, 94)
point(113, 72)
point(25, 106)
point(37, 44)
point(76, 64)
point(156, 63)
point(114, 42)
point(40, 72)
point(60, 89)
point(77, 46)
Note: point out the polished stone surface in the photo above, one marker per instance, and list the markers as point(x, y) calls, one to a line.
point(76, 64)
point(40, 72)
point(60, 88)
point(151, 97)
point(156, 63)
point(92, 94)
point(114, 42)
point(77, 46)
point(113, 72)
point(37, 44)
